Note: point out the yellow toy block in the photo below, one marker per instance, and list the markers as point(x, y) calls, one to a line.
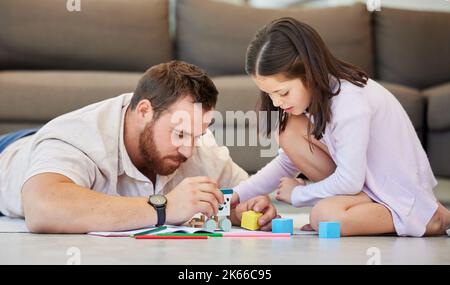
point(249, 220)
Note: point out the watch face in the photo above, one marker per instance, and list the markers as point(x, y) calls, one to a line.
point(158, 200)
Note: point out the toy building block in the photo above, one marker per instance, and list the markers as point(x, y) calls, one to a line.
point(225, 208)
point(250, 220)
point(329, 230)
point(220, 221)
point(283, 226)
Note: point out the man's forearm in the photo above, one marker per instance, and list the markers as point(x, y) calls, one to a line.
point(69, 208)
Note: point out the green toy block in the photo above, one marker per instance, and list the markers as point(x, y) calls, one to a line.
point(249, 220)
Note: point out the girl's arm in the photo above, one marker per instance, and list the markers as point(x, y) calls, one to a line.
point(350, 132)
point(268, 178)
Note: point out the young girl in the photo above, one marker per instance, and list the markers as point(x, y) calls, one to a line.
point(345, 133)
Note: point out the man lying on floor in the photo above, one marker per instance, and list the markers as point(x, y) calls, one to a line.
point(145, 168)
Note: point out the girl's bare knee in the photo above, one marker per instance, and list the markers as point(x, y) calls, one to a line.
point(296, 129)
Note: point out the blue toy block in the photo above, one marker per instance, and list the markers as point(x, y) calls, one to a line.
point(329, 230)
point(283, 226)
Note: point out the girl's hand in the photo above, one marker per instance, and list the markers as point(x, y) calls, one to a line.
point(285, 188)
point(234, 200)
point(260, 204)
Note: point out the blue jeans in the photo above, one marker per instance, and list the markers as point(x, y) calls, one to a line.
point(7, 139)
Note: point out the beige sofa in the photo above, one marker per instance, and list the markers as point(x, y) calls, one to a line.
point(53, 61)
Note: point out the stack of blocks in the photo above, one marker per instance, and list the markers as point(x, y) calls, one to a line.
point(249, 220)
point(283, 226)
point(329, 230)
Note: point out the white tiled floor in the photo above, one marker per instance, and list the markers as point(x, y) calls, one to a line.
point(56, 249)
point(52, 249)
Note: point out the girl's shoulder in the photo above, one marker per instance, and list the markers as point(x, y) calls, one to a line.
point(351, 100)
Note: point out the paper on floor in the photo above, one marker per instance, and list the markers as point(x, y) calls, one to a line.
point(170, 229)
point(304, 233)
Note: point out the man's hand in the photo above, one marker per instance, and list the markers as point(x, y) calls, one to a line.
point(193, 195)
point(258, 204)
point(285, 188)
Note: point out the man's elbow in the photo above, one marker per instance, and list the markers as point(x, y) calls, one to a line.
point(38, 226)
point(38, 215)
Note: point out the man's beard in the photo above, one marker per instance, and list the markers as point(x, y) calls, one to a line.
point(155, 162)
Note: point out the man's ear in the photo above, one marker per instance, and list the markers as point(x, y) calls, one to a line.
point(144, 110)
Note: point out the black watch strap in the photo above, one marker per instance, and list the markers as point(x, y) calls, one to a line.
point(161, 213)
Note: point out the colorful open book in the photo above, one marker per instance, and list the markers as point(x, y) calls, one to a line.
point(152, 231)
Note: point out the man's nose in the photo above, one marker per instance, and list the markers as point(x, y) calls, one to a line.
point(186, 151)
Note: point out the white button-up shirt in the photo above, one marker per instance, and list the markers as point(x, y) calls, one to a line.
point(87, 146)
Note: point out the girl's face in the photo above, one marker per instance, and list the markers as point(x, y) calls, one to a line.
point(289, 94)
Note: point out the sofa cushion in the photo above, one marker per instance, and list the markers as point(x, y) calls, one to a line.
point(412, 47)
point(438, 115)
point(215, 35)
point(438, 143)
point(6, 127)
point(42, 96)
point(236, 93)
point(104, 35)
point(438, 135)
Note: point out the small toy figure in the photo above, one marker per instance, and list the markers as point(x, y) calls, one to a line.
point(220, 221)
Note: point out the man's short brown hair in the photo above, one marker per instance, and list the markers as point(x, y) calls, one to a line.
point(165, 83)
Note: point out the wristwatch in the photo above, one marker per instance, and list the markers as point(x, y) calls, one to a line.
point(159, 202)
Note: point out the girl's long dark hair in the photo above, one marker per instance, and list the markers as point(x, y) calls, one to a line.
point(295, 50)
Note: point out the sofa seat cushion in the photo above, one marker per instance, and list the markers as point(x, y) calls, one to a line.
point(438, 136)
point(237, 127)
point(236, 93)
point(438, 114)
